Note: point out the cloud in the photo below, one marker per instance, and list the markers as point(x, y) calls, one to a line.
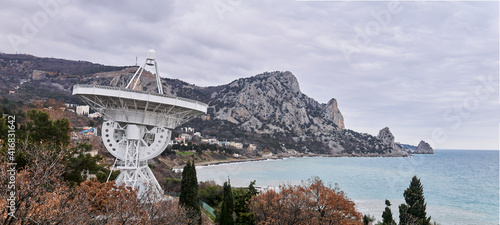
point(403, 69)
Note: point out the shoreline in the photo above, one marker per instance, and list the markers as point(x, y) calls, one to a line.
point(283, 156)
point(219, 162)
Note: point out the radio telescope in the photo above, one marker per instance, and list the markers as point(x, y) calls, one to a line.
point(137, 124)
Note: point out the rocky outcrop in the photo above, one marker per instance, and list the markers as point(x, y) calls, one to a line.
point(332, 113)
point(424, 148)
point(274, 99)
point(38, 75)
point(386, 136)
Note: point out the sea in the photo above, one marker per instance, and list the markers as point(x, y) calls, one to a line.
point(460, 186)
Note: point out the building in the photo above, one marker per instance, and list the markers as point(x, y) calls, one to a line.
point(95, 115)
point(266, 153)
point(236, 145)
point(82, 110)
point(252, 147)
point(179, 139)
point(187, 137)
point(94, 152)
point(70, 105)
point(210, 141)
point(188, 129)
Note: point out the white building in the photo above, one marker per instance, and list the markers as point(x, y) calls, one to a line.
point(236, 145)
point(188, 129)
point(186, 137)
point(95, 115)
point(210, 141)
point(82, 110)
point(252, 147)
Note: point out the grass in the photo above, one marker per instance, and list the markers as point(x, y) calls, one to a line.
point(185, 153)
point(208, 214)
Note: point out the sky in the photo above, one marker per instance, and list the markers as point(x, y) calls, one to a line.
point(428, 70)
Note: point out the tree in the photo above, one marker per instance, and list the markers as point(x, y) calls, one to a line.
point(189, 192)
point(367, 219)
point(414, 209)
point(387, 214)
point(404, 217)
point(244, 216)
point(309, 203)
point(41, 129)
point(81, 163)
point(227, 208)
point(37, 186)
point(210, 193)
point(43, 197)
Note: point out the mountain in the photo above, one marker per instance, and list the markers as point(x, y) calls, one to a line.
point(268, 110)
point(36, 78)
point(271, 104)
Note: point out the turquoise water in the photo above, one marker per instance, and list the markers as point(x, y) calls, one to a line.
point(460, 186)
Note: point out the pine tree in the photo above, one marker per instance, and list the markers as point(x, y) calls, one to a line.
point(414, 209)
point(42, 129)
point(189, 192)
point(387, 214)
point(227, 208)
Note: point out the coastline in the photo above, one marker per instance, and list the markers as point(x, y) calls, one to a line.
point(391, 175)
point(282, 156)
point(218, 162)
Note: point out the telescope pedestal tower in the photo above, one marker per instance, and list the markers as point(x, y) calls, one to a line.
point(138, 125)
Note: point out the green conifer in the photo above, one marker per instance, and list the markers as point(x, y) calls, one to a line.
point(227, 208)
point(189, 192)
point(244, 216)
point(414, 209)
point(387, 214)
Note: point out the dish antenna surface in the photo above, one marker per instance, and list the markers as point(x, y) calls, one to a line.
point(137, 124)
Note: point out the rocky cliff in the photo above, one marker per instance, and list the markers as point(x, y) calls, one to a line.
point(424, 148)
point(268, 109)
point(272, 102)
point(386, 136)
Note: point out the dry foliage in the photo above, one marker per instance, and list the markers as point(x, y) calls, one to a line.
point(309, 203)
point(42, 197)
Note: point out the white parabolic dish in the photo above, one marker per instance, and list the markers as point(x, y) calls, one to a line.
point(123, 108)
point(139, 107)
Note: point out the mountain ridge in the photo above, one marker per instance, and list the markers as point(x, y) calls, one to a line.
point(267, 109)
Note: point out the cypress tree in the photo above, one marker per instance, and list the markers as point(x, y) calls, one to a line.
point(415, 202)
point(387, 214)
point(189, 192)
point(184, 184)
point(227, 208)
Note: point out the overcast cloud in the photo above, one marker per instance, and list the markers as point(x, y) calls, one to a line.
point(427, 70)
